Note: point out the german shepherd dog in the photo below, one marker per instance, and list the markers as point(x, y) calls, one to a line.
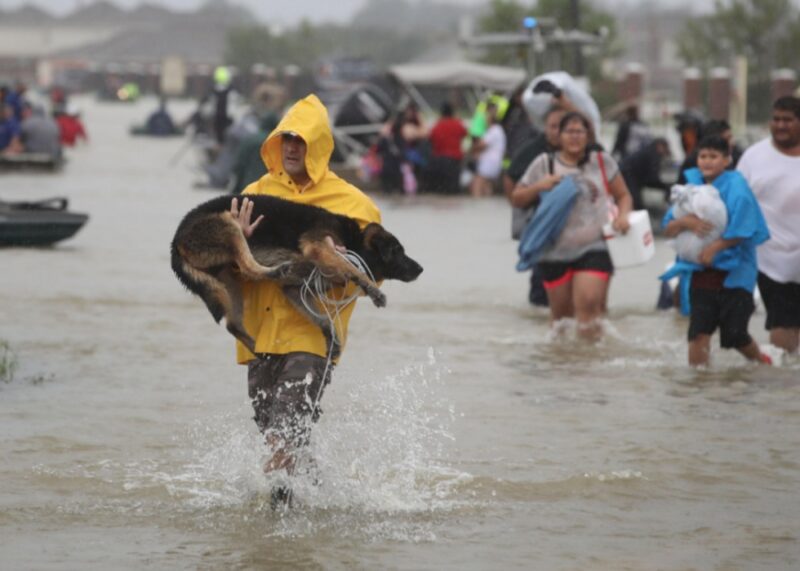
point(210, 254)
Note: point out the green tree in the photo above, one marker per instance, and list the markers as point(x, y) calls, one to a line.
point(766, 32)
point(504, 16)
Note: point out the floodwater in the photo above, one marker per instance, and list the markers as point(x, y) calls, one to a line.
point(457, 434)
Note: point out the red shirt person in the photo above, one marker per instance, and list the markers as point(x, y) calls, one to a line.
point(444, 168)
point(447, 134)
point(71, 128)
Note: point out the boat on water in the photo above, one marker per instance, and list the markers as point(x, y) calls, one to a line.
point(31, 161)
point(39, 223)
point(142, 131)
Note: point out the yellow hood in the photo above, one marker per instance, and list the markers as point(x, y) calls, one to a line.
point(268, 315)
point(309, 119)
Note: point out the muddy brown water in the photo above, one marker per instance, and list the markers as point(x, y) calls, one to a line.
point(457, 434)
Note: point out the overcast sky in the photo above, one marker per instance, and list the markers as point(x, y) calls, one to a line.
point(292, 11)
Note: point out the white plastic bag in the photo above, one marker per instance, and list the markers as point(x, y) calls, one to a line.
point(538, 104)
point(704, 202)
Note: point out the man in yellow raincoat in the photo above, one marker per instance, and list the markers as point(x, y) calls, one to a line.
point(287, 376)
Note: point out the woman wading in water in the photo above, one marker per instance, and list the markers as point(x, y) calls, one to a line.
point(577, 268)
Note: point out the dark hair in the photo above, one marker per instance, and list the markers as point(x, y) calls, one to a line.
point(714, 143)
point(661, 141)
point(574, 116)
point(715, 127)
point(554, 109)
point(414, 109)
point(788, 103)
point(447, 109)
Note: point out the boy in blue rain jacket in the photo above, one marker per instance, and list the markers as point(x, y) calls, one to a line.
point(719, 290)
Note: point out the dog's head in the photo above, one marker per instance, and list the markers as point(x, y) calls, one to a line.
point(386, 256)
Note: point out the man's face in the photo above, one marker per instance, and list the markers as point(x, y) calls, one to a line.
point(551, 127)
point(785, 128)
point(712, 163)
point(293, 149)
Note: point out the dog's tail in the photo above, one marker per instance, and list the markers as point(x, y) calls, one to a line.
point(198, 282)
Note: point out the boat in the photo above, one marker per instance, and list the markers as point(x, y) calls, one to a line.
point(141, 131)
point(30, 161)
point(40, 223)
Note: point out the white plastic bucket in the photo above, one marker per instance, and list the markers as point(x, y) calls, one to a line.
point(634, 248)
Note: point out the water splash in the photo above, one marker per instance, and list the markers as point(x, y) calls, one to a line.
point(377, 460)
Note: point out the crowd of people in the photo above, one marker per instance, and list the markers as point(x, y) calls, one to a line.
point(758, 243)
point(755, 245)
point(27, 127)
point(450, 157)
point(560, 173)
point(571, 270)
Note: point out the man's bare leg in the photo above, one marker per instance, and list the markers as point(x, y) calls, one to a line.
point(752, 352)
point(699, 350)
point(282, 457)
point(785, 338)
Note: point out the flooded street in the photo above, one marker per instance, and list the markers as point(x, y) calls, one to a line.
point(456, 433)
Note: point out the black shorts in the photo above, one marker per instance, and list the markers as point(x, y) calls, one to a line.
point(555, 274)
point(728, 309)
point(782, 302)
point(285, 391)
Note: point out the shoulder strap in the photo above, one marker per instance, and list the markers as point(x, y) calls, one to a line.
point(603, 171)
point(551, 167)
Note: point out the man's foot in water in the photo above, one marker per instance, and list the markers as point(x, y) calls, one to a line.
point(280, 497)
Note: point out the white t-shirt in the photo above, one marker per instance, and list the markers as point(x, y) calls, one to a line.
point(775, 180)
point(584, 226)
point(490, 161)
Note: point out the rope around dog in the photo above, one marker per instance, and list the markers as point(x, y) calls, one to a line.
point(315, 288)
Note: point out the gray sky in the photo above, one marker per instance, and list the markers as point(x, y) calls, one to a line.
point(292, 11)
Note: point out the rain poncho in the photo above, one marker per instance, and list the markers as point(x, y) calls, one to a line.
point(745, 221)
point(268, 316)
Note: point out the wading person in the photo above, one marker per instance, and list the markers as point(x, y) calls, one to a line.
point(291, 367)
point(546, 142)
point(576, 269)
point(721, 290)
point(772, 167)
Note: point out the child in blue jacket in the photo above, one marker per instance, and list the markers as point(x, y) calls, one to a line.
point(721, 286)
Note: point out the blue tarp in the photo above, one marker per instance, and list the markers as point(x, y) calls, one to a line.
point(547, 223)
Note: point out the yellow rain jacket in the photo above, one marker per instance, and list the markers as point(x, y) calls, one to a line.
point(268, 316)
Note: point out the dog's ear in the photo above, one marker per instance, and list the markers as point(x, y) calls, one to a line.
point(375, 239)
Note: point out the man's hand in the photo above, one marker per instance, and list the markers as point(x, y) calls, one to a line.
point(706, 256)
point(243, 216)
point(329, 241)
point(697, 225)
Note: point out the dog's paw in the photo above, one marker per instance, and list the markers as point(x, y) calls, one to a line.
point(377, 297)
